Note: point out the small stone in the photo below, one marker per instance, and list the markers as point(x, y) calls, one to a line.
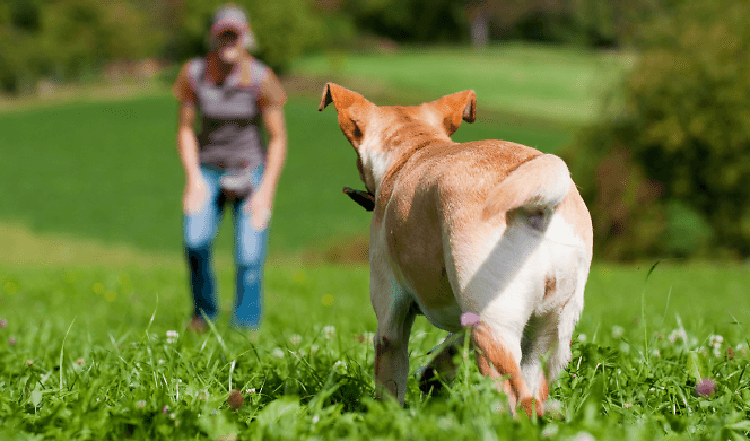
point(235, 400)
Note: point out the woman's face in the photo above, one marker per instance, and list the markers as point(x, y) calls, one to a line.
point(229, 46)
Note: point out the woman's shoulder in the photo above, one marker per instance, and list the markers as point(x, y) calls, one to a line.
point(188, 78)
point(257, 69)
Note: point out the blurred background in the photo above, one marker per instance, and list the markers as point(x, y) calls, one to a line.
point(647, 100)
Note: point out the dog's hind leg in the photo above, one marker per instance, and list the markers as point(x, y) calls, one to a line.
point(499, 357)
point(539, 343)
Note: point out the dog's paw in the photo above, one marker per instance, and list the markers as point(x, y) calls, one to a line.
point(532, 406)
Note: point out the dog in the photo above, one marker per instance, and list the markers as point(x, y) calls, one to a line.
point(492, 228)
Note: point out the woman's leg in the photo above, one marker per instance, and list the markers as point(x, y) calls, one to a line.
point(199, 232)
point(250, 254)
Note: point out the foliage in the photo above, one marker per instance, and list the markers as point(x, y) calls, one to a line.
point(411, 21)
point(109, 171)
point(69, 40)
point(673, 163)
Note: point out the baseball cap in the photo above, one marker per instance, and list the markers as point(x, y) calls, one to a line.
point(231, 16)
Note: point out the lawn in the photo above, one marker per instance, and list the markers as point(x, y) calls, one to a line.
point(110, 171)
point(100, 353)
point(541, 82)
point(94, 299)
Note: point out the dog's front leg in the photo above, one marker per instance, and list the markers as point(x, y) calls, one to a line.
point(395, 311)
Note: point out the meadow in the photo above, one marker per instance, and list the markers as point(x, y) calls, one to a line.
point(93, 300)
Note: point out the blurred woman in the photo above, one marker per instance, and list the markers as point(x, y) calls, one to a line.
point(228, 162)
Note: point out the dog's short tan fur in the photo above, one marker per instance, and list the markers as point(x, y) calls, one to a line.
point(491, 227)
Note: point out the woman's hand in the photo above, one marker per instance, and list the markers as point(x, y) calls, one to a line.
point(259, 206)
point(195, 195)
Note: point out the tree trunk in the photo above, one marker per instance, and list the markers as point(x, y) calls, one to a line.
point(479, 30)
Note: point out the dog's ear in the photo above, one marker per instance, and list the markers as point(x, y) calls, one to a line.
point(454, 108)
point(352, 107)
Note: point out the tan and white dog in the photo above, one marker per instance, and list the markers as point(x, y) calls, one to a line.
point(489, 227)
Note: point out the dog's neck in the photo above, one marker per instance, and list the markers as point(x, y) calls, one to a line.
point(389, 148)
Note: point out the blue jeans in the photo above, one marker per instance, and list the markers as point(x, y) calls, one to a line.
point(250, 248)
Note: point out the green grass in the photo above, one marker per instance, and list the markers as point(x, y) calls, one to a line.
point(307, 373)
point(110, 171)
point(551, 83)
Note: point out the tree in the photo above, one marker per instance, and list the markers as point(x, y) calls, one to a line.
point(682, 140)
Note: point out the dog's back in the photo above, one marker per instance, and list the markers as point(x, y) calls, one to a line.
point(500, 229)
point(480, 191)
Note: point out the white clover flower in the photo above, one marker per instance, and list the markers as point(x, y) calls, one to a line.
point(314, 349)
point(715, 341)
point(161, 362)
point(581, 337)
point(583, 436)
point(277, 353)
point(624, 348)
point(172, 336)
point(550, 430)
point(329, 332)
point(678, 334)
point(656, 353)
point(295, 340)
point(315, 419)
point(617, 331)
point(742, 348)
point(445, 422)
point(339, 367)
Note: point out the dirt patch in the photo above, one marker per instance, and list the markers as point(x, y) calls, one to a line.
point(352, 250)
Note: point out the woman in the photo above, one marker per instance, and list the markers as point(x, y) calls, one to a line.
point(228, 162)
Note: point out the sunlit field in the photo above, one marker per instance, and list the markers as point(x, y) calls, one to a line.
point(558, 84)
point(101, 352)
point(94, 294)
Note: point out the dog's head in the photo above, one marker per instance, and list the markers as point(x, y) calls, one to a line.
point(381, 135)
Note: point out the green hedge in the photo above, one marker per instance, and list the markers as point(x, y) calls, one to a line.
point(669, 175)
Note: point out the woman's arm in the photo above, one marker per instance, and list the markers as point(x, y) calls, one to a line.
point(187, 146)
point(272, 111)
point(273, 120)
point(187, 143)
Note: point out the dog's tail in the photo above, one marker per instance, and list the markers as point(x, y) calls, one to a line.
point(535, 188)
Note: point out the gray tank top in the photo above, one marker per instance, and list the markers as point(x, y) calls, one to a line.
point(230, 135)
